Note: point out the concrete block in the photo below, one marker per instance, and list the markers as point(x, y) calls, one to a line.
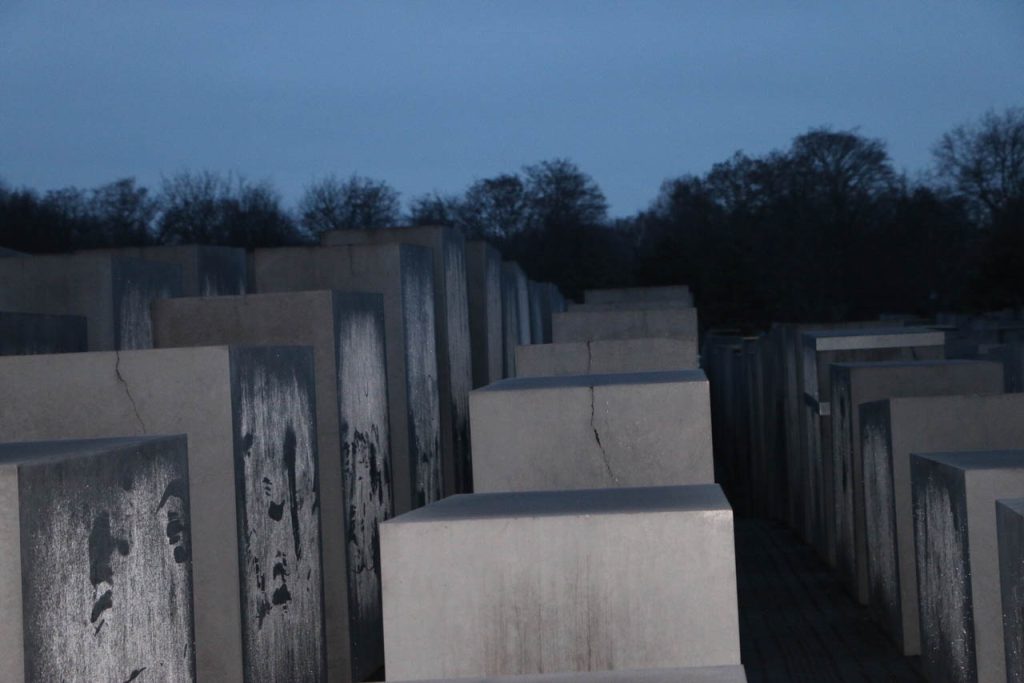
point(890, 431)
point(604, 357)
point(10, 252)
point(634, 305)
point(592, 431)
point(249, 415)
point(679, 293)
point(346, 333)
point(22, 334)
point(403, 274)
point(523, 583)
point(961, 610)
point(96, 580)
point(820, 350)
point(205, 270)
point(509, 319)
point(854, 384)
point(584, 326)
point(702, 674)
point(539, 312)
point(483, 284)
point(1010, 531)
point(522, 300)
point(451, 327)
point(112, 293)
point(558, 302)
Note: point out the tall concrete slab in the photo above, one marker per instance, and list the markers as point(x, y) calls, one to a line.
point(346, 333)
point(540, 332)
point(451, 326)
point(483, 285)
point(584, 326)
point(604, 357)
point(820, 350)
point(22, 334)
point(404, 275)
point(112, 293)
point(854, 384)
point(249, 416)
point(956, 543)
point(521, 287)
point(561, 581)
point(509, 320)
point(95, 552)
point(1010, 530)
point(701, 674)
point(891, 430)
point(592, 431)
point(632, 295)
point(205, 270)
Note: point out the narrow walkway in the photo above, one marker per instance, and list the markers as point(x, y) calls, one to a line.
point(797, 622)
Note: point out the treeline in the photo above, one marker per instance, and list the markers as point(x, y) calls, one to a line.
point(825, 229)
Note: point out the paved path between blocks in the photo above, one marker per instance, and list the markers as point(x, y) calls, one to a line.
point(798, 623)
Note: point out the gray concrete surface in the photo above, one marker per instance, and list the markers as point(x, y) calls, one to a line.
point(483, 285)
point(957, 552)
point(584, 326)
point(522, 583)
point(820, 350)
point(604, 357)
point(891, 430)
point(112, 293)
point(854, 384)
point(592, 431)
point(1010, 530)
point(205, 270)
point(249, 417)
point(677, 293)
point(521, 289)
point(451, 327)
point(23, 334)
point(404, 275)
point(346, 332)
point(95, 560)
point(510, 335)
point(703, 674)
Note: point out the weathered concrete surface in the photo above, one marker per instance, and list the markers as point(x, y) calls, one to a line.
point(23, 334)
point(604, 357)
point(509, 320)
point(404, 275)
point(679, 293)
point(820, 350)
point(451, 326)
point(346, 333)
point(521, 288)
point(592, 431)
point(249, 415)
point(540, 314)
point(584, 326)
point(205, 270)
point(958, 560)
point(483, 285)
point(1010, 530)
point(95, 552)
point(890, 431)
point(703, 674)
point(854, 384)
point(522, 583)
point(112, 293)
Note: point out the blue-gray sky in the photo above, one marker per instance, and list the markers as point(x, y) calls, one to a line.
point(430, 95)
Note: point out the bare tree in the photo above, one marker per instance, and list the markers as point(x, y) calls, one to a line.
point(434, 209)
point(333, 204)
point(494, 207)
point(562, 197)
point(984, 162)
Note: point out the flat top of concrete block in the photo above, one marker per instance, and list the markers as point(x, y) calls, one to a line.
point(581, 502)
point(709, 674)
point(580, 381)
point(914, 363)
point(42, 451)
point(870, 337)
point(976, 460)
point(1015, 505)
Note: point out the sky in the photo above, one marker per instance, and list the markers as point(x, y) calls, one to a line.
point(432, 95)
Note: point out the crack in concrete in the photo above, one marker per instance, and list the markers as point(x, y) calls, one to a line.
point(127, 390)
point(597, 438)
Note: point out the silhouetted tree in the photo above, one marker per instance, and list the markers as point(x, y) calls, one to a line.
point(496, 208)
point(356, 203)
point(561, 197)
point(433, 209)
point(125, 213)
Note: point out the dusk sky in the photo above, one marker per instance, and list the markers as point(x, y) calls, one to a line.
point(432, 95)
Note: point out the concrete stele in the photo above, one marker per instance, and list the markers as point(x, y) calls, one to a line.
point(1010, 528)
point(23, 334)
point(205, 270)
point(604, 357)
point(592, 431)
point(483, 284)
point(675, 293)
point(522, 583)
point(702, 674)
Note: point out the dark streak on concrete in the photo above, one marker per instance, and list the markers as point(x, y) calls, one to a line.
point(597, 438)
